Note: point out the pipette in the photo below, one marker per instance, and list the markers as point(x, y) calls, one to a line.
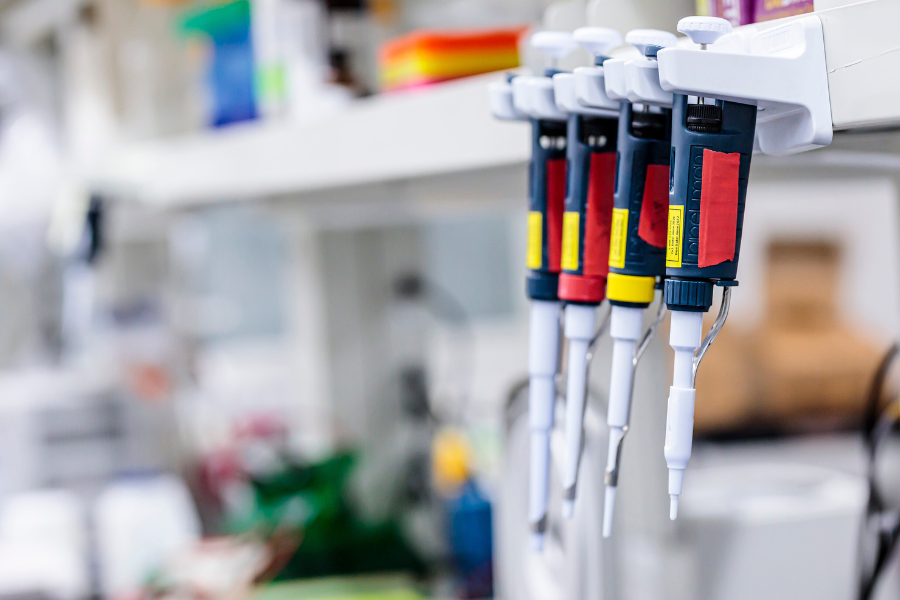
point(712, 143)
point(531, 98)
point(591, 152)
point(637, 252)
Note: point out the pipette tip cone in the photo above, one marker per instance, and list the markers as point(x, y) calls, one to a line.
point(568, 508)
point(673, 507)
point(609, 506)
point(537, 542)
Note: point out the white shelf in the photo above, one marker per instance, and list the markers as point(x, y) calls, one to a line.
point(442, 140)
point(441, 130)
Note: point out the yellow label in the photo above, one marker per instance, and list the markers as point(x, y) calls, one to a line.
point(674, 236)
point(535, 255)
point(617, 238)
point(571, 231)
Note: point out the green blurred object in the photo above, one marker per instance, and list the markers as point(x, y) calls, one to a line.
point(385, 587)
point(219, 20)
point(312, 499)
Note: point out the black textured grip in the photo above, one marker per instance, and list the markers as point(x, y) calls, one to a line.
point(704, 118)
point(680, 294)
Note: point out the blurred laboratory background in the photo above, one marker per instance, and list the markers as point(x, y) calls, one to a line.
point(263, 330)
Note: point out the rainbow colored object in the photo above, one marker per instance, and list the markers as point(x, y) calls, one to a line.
point(429, 56)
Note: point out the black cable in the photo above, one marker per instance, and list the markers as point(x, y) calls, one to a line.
point(876, 426)
point(876, 390)
point(443, 305)
point(95, 229)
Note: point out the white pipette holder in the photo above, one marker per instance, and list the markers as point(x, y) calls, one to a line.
point(642, 83)
point(588, 82)
point(530, 96)
point(567, 100)
point(641, 75)
point(590, 87)
point(525, 97)
point(781, 70)
point(500, 96)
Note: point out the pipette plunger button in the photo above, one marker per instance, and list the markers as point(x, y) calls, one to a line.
point(704, 30)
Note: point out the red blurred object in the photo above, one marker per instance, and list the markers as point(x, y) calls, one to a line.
point(428, 56)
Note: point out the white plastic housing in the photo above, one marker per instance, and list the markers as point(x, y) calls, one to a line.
point(554, 44)
point(679, 432)
point(580, 328)
point(564, 89)
point(522, 96)
point(685, 337)
point(598, 41)
point(534, 97)
point(543, 348)
point(642, 83)
point(544, 101)
point(615, 79)
point(590, 88)
point(781, 70)
point(641, 38)
point(500, 96)
point(543, 362)
point(625, 329)
point(641, 75)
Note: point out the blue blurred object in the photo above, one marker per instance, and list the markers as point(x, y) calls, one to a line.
point(231, 83)
point(231, 74)
point(471, 541)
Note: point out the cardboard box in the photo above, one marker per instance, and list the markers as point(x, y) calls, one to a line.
point(726, 392)
point(823, 373)
point(803, 368)
point(802, 284)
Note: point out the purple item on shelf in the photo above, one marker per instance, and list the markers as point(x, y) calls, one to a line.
point(766, 10)
point(736, 12)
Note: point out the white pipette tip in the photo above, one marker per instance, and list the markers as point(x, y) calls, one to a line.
point(673, 507)
point(537, 542)
point(609, 506)
point(568, 508)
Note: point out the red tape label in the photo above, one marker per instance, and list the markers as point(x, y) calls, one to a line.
point(718, 207)
point(655, 206)
point(598, 217)
point(556, 203)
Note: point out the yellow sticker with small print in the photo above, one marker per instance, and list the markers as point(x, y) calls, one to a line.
point(618, 237)
point(674, 236)
point(534, 257)
point(570, 235)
